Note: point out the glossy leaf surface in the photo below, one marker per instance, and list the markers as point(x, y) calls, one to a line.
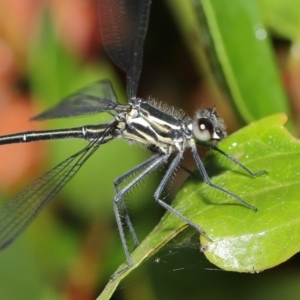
point(242, 240)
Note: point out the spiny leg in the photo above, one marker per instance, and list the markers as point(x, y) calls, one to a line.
point(253, 174)
point(175, 163)
point(153, 163)
point(117, 183)
point(206, 179)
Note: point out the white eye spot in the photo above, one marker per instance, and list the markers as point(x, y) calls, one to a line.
point(202, 129)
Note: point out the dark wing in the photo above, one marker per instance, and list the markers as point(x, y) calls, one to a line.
point(95, 98)
point(123, 27)
point(16, 215)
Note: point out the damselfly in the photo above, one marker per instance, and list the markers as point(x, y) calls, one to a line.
point(167, 135)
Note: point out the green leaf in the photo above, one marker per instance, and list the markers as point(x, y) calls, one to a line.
point(283, 17)
point(236, 44)
point(242, 240)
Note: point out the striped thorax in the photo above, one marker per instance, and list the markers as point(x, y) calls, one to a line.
point(160, 131)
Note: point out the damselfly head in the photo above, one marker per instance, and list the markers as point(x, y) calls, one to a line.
point(208, 127)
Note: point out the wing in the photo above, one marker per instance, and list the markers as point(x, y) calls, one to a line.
point(93, 99)
point(16, 215)
point(123, 27)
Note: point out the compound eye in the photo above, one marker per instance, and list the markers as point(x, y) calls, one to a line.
point(203, 129)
